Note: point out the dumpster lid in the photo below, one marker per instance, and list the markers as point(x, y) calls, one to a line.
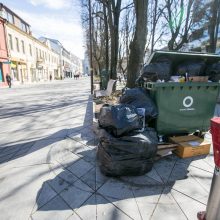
point(179, 57)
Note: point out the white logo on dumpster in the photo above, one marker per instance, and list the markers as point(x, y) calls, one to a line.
point(187, 103)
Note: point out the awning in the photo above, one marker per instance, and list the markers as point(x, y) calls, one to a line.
point(13, 65)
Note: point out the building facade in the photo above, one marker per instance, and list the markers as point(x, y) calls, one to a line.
point(30, 59)
point(4, 62)
point(77, 64)
point(69, 64)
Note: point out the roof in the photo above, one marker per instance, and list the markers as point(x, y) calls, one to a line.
point(52, 40)
point(9, 10)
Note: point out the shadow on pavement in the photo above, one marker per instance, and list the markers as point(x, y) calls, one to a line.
point(22, 111)
point(80, 133)
point(76, 182)
point(82, 186)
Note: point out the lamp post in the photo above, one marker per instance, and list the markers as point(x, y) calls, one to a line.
point(90, 45)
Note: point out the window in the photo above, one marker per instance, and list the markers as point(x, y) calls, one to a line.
point(36, 52)
point(10, 41)
point(30, 50)
point(17, 44)
point(10, 18)
point(23, 49)
point(23, 27)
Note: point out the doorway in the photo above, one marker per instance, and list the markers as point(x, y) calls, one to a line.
point(1, 73)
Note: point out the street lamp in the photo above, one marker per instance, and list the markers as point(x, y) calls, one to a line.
point(90, 45)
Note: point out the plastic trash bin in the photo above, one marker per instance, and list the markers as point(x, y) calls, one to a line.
point(212, 209)
point(183, 107)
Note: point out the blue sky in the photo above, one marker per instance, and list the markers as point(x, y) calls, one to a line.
point(58, 19)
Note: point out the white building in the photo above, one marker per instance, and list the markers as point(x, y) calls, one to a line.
point(69, 63)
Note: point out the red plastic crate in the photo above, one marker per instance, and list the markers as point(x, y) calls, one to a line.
point(215, 130)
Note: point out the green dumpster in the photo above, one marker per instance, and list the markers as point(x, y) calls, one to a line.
point(183, 107)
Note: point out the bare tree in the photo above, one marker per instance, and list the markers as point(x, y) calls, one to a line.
point(100, 33)
point(213, 26)
point(155, 31)
point(178, 16)
point(126, 34)
point(137, 45)
point(206, 17)
point(113, 11)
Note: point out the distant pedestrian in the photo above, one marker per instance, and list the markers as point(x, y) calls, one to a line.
point(8, 79)
point(50, 77)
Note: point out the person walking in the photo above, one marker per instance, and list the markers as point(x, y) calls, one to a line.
point(8, 79)
point(50, 77)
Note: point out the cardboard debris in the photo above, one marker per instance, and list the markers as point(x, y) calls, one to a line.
point(191, 145)
point(165, 149)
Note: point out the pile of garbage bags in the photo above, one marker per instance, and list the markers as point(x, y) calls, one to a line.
point(162, 70)
point(213, 72)
point(127, 146)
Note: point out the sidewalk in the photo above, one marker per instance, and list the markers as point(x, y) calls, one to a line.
point(57, 177)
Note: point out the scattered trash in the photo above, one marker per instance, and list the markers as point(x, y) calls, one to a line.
point(126, 146)
point(193, 68)
point(161, 69)
point(165, 149)
point(190, 145)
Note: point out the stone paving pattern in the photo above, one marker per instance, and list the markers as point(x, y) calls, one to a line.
point(48, 167)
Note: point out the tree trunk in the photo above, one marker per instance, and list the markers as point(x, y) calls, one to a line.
point(137, 45)
point(114, 29)
point(154, 25)
point(213, 26)
point(106, 40)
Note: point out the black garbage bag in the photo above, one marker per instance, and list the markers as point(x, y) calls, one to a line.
point(140, 81)
point(128, 155)
point(213, 71)
point(129, 167)
point(161, 69)
point(120, 119)
point(193, 68)
point(139, 97)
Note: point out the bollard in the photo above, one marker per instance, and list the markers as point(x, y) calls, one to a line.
point(213, 205)
point(212, 209)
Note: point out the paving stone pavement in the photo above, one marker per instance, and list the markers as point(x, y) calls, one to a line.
point(48, 167)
